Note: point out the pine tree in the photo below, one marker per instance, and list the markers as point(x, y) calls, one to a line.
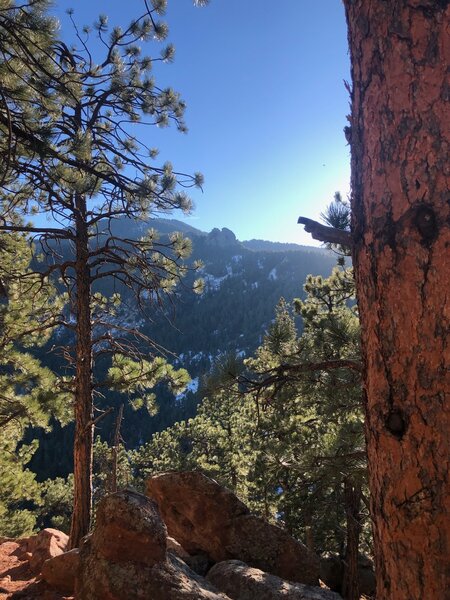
point(27, 390)
point(81, 163)
point(398, 238)
point(286, 433)
point(399, 146)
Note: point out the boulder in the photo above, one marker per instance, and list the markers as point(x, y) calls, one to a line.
point(200, 563)
point(241, 582)
point(60, 571)
point(48, 543)
point(332, 573)
point(174, 546)
point(129, 528)
point(126, 557)
point(206, 517)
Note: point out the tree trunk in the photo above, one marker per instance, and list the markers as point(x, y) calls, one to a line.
point(115, 451)
point(83, 405)
point(352, 498)
point(400, 202)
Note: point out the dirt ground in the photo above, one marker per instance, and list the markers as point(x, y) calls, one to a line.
point(16, 579)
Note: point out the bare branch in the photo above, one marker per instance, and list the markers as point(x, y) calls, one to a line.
point(326, 234)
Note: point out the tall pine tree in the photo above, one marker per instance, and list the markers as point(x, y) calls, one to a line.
point(77, 159)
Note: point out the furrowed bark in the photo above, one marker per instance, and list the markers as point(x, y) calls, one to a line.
point(83, 405)
point(400, 207)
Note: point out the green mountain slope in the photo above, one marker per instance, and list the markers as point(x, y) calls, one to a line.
point(242, 288)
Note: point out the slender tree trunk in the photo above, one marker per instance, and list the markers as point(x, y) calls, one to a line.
point(115, 450)
point(309, 538)
point(400, 202)
point(352, 496)
point(83, 405)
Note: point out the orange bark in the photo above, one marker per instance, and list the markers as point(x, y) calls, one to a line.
point(83, 400)
point(401, 214)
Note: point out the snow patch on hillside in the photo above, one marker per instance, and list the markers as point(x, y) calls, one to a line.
point(212, 283)
point(192, 386)
point(273, 276)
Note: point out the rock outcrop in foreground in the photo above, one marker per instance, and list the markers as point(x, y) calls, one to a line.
point(130, 556)
point(126, 557)
point(47, 544)
point(206, 518)
point(60, 572)
point(241, 582)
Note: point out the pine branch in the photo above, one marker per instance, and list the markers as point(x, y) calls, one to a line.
point(61, 233)
point(326, 234)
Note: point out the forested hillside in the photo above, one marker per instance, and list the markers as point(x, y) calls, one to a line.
point(242, 286)
point(143, 360)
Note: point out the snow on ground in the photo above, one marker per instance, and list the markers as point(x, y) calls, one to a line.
point(213, 283)
point(192, 386)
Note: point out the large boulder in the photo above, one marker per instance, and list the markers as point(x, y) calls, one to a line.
point(129, 528)
point(332, 573)
point(48, 543)
point(206, 517)
point(241, 582)
point(176, 548)
point(60, 572)
point(126, 557)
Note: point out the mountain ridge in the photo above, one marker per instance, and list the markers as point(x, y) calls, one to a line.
point(166, 226)
point(242, 289)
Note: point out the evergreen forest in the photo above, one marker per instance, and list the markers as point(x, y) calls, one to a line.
point(132, 343)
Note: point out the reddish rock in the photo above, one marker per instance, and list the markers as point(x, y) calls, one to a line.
point(129, 529)
point(206, 517)
point(16, 578)
point(48, 543)
point(60, 571)
point(241, 582)
point(125, 557)
point(174, 546)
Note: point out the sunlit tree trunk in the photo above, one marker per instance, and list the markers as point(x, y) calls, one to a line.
point(400, 201)
point(83, 405)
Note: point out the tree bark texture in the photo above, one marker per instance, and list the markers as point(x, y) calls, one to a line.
point(83, 405)
point(352, 498)
point(400, 203)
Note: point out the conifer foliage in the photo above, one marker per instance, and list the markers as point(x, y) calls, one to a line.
point(28, 312)
point(286, 434)
point(70, 130)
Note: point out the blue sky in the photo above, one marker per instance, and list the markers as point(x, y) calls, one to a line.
point(264, 85)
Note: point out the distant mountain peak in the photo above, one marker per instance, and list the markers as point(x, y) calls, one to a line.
point(222, 238)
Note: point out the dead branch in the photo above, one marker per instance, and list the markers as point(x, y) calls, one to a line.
point(323, 233)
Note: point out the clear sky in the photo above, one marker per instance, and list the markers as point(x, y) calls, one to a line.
point(264, 86)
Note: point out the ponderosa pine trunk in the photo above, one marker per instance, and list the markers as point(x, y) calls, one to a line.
point(400, 203)
point(83, 405)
